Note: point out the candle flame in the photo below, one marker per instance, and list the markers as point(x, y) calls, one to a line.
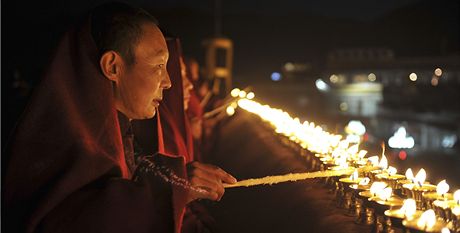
point(385, 193)
point(457, 196)
point(456, 210)
point(409, 208)
point(353, 149)
point(442, 188)
point(392, 170)
point(427, 219)
point(362, 153)
point(409, 174)
point(364, 181)
point(374, 160)
point(376, 187)
point(420, 177)
point(383, 148)
point(445, 230)
point(354, 176)
point(343, 144)
point(383, 164)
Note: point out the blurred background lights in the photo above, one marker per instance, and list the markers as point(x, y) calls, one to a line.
point(438, 72)
point(334, 78)
point(372, 77)
point(401, 140)
point(413, 77)
point(242, 94)
point(449, 141)
point(250, 95)
point(235, 92)
point(230, 110)
point(321, 85)
point(434, 81)
point(276, 76)
point(343, 107)
point(289, 66)
point(355, 127)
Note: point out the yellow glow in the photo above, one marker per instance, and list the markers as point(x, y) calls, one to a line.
point(242, 94)
point(438, 72)
point(409, 174)
point(235, 92)
point(442, 188)
point(420, 177)
point(413, 77)
point(250, 95)
point(230, 110)
point(427, 220)
point(409, 208)
point(392, 170)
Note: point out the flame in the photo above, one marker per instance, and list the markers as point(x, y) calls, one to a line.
point(362, 153)
point(420, 177)
point(409, 174)
point(456, 210)
point(409, 208)
point(383, 164)
point(457, 196)
point(376, 187)
point(353, 149)
point(342, 162)
point(343, 144)
point(392, 170)
point(354, 176)
point(364, 181)
point(374, 160)
point(427, 220)
point(442, 188)
point(445, 230)
point(385, 193)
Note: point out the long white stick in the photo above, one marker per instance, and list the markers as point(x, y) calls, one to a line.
point(295, 177)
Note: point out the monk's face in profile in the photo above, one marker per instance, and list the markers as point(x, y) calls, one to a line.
point(138, 87)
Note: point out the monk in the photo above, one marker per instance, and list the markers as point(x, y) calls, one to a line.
point(70, 160)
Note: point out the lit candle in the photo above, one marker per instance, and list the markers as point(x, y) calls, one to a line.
point(407, 211)
point(427, 222)
point(416, 189)
point(441, 194)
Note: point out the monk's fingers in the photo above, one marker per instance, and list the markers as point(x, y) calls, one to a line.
point(221, 174)
point(210, 186)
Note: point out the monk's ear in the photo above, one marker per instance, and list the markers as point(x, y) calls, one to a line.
point(111, 63)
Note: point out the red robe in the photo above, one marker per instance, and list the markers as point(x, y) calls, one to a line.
point(66, 168)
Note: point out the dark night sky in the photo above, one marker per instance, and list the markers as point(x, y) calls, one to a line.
point(265, 36)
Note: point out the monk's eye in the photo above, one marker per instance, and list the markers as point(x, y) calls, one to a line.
point(161, 65)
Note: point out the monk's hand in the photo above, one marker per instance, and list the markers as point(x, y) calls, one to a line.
point(208, 181)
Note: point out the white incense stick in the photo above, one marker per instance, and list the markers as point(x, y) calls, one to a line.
point(295, 177)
